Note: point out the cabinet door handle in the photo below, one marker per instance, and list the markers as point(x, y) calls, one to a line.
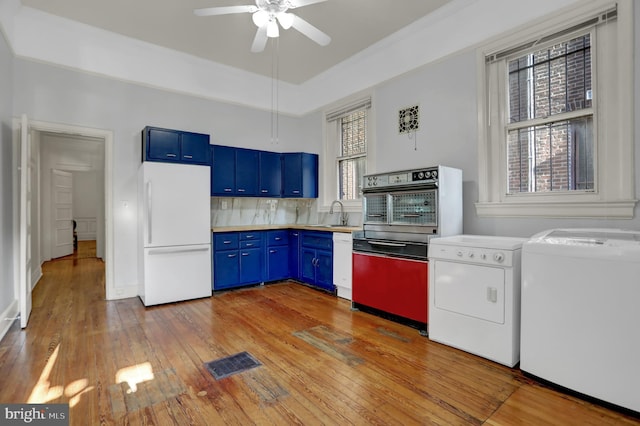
point(179, 250)
point(273, 251)
point(241, 190)
point(226, 242)
point(249, 245)
point(264, 191)
point(231, 255)
point(295, 191)
point(171, 155)
point(246, 254)
point(277, 238)
point(188, 156)
point(227, 190)
point(149, 213)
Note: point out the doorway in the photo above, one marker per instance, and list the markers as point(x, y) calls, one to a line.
point(86, 153)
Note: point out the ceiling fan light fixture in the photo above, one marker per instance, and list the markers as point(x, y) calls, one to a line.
point(260, 18)
point(285, 19)
point(272, 29)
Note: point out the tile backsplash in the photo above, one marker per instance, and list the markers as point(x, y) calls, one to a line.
point(228, 211)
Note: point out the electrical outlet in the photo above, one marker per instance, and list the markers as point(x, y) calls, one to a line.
point(274, 203)
point(224, 204)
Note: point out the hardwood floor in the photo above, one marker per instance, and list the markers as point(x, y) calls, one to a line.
point(116, 362)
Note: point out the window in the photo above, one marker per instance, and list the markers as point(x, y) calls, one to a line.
point(555, 125)
point(550, 131)
point(348, 131)
point(352, 154)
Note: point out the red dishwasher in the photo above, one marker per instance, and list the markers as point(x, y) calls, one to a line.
point(401, 212)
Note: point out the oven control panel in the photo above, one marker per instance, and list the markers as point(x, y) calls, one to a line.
point(426, 176)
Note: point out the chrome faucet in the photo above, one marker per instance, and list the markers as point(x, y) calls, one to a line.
point(343, 215)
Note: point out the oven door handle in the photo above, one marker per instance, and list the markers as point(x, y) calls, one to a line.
point(386, 244)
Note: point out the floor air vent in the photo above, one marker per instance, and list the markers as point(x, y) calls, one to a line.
point(230, 365)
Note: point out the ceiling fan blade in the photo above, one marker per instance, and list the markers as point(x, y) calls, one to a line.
point(225, 10)
point(260, 40)
point(310, 31)
point(300, 3)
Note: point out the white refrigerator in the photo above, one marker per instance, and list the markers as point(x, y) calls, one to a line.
point(174, 232)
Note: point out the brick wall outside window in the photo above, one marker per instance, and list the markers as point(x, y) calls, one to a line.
point(553, 155)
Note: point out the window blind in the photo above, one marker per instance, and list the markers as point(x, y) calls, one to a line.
point(600, 18)
point(348, 109)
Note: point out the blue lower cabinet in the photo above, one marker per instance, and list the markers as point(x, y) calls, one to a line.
point(238, 259)
point(294, 254)
point(246, 258)
point(324, 270)
point(316, 259)
point(251, 266)
point(278, 263)
point(277, 255)
point(226, 269)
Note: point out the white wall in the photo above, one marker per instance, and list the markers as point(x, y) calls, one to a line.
point(7, 291)
point(86, 196)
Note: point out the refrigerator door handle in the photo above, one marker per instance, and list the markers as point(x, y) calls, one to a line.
point(177, 250)
point(149, 215)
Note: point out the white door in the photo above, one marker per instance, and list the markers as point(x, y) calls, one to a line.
point(24, 215)
point(62, 212)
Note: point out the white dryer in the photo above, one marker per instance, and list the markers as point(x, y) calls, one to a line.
point(474, 295)
point(581, 312)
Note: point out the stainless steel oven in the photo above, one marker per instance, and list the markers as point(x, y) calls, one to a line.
point(401, 212)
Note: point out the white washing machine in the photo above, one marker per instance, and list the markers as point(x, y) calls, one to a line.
point(474, 295)
point(581, 312)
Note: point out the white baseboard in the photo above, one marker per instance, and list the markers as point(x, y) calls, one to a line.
point(11, 313)
point(123, 292)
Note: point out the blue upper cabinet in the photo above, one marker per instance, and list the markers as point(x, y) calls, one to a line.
point(252, 173)
point(174, 146)
point(234, 171)
point(300, 175)
point(270, 182)
point(223, 170)
point(246, 172)
point(194, 148)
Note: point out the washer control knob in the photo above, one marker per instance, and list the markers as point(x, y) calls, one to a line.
point(459, 253)
point(471, 255)
point(498, 257)
point(483, 256)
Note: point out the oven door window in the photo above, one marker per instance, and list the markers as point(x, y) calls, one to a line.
point(414, 208)
point(375, 208)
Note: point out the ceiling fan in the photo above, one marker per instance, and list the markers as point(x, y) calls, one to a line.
point(266, 14)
